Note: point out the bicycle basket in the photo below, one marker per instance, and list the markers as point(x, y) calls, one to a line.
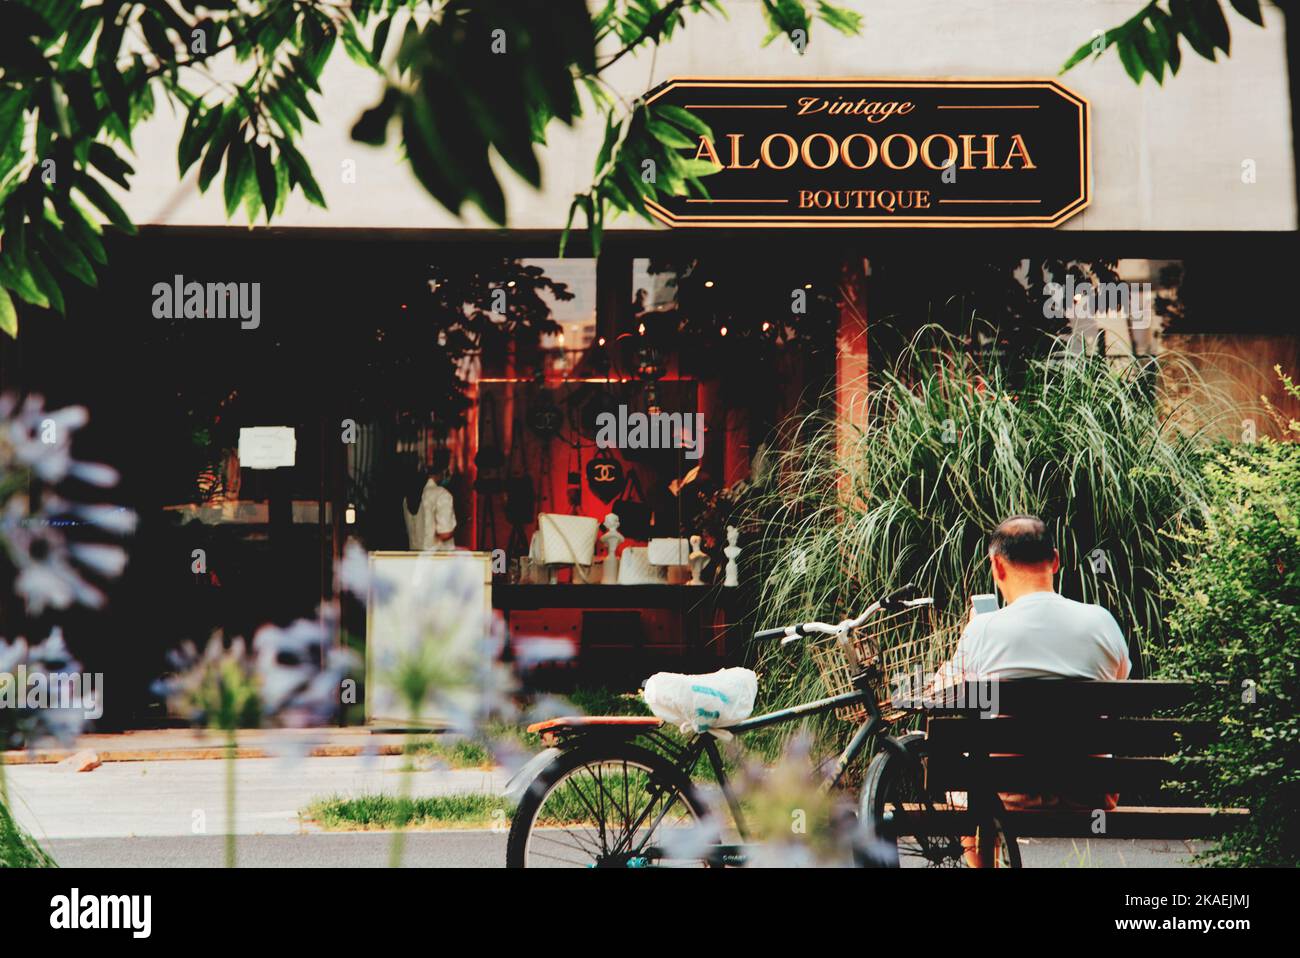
point(904, 646)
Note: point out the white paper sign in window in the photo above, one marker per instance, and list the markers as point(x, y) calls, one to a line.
point(267, 447)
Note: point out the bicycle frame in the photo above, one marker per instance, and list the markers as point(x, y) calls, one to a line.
point(705, 745)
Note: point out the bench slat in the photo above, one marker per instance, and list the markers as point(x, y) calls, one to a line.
point(1082, 736)
point(1047, 774)
point(1123, 822)
point(1057, 698)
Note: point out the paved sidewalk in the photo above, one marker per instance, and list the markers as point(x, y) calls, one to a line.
point(171, 798)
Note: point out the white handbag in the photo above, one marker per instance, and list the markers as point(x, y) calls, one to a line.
point(567, 539)
point(669, 552)
point(634, 568)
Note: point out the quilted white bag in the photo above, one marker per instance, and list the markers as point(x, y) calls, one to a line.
point(703, 703)
point(634, 568)
point(567, 539)
point(669, 551)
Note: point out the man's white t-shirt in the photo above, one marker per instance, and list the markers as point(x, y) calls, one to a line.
point(1040, 635)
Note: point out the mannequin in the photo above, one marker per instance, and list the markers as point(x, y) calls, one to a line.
point(432, 526)
point(732, 552)
point(612, 539)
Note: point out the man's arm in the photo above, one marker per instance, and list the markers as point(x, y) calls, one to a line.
point(1119, 645)
point(962, 664)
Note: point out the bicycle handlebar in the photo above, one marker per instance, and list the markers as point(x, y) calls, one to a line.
point(904, 597)
point(899, 596)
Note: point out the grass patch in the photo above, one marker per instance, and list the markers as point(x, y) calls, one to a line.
point(462, 753)
point(384, 812)
point(17, 848)
point(601, 701)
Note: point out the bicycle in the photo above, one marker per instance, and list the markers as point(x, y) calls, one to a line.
point(616, 791)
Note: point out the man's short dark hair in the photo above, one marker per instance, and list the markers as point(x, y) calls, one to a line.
point(441, 460)
point(1022, 540)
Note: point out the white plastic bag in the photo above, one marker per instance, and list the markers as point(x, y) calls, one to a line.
point(703, 703)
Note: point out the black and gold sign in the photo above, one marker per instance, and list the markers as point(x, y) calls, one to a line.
point(605, 476)
point(883, 152)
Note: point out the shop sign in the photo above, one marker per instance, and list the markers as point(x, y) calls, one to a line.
point(267, 447)
point(879, 152)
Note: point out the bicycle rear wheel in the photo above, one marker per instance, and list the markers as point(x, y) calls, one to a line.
point(611, 804)
point(894, 789)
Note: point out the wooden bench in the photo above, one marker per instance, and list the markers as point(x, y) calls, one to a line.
point(1065, 737)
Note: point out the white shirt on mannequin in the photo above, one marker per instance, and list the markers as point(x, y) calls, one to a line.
point(435, 517)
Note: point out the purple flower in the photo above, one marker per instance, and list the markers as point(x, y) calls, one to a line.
point(42, 692)
point(302, 673)
point(36, 449)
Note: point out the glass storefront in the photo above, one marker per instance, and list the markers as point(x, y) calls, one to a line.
point(472, 389)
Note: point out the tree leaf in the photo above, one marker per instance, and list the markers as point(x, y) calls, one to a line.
point(266, 182)
point(217, 145)
point(1129, 57)
point(12, 124)
point(115, 89)
point(69, 258)
point(381, 39)
point(1173, 55)
point(239, 167)
point(669, 135)
point(283, 111)
point(372, 127)
point(355, 48)
point(1210, 16)
point(155, 34)
point(847, 22)
point(110, 164)
point(83, 27)
point(199, 126)
point(1250, 10)
point(49, 285)
point(8, 314)
point(15, 276)
point(1149, 49)
point(80, 230)
point(683, 118)
point(103, 201)
point(301, 172)
point(1188, 26)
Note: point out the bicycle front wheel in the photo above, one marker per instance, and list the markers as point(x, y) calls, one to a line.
point(610, 805)
point(894, 796)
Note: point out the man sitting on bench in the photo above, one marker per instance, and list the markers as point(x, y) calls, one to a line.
point(1038, 633)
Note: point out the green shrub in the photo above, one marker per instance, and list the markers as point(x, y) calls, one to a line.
point(1236, 619)
point(954, 443)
